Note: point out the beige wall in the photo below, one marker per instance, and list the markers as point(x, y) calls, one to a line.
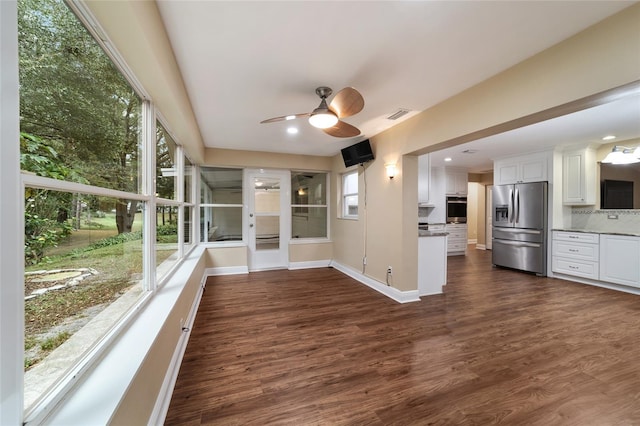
point(310, 252)
point(266, 160)
point(574, 69)
point(221, 257)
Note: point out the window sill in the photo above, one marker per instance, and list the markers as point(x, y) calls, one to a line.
point(295, 241)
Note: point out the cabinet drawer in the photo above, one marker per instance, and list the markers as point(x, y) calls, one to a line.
point(580, 237)
point(456, 247)
point(457, 235)
point(576, 251)
point(574, 267)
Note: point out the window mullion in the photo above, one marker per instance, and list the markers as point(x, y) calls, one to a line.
point(149, 188)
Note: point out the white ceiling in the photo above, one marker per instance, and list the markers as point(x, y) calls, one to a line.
point(243, 62)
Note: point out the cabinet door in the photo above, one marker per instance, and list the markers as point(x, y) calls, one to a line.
point(506, 173)
point(573, 178)
point(456, 183)
point(620, 259)
point(533, 170)
point(578, 178)
point(424, 179)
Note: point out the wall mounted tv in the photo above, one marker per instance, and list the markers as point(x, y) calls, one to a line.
point(357, 154)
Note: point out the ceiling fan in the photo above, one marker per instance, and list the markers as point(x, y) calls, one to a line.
point(345, 103)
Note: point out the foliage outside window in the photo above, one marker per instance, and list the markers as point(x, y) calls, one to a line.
point(308, 205)
point(166, 177)
point(350, 195)
point(221, 204)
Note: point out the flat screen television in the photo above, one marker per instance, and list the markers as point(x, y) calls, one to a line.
point(357, 154)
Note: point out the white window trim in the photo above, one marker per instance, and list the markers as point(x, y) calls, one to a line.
point(12, 229)
point(343, 195)
point(315, 240)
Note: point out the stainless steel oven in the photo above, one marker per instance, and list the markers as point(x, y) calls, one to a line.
point(456, 209)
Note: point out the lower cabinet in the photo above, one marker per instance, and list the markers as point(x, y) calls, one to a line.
point(600, 257)
point(457, 239)
point(576, 253)
point(432, 265)
point(620, 259)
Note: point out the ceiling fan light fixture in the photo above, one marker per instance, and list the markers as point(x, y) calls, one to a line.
point(323, 119)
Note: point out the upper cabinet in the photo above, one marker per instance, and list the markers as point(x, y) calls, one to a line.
point(424, 180)
point(456, 182)
point(521, 169)
point(579, 177)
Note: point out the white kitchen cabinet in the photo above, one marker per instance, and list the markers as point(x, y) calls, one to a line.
point(620, 259)
point(457, 239)
point(437, 197)
point(424, 180)
point(576, 253)
point(521, 169)
point(456, 182)
point(432, 264)
point(579, 177)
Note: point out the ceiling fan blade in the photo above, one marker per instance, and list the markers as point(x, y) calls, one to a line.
point(285, 117)
point(347, 102)
point(342, 130)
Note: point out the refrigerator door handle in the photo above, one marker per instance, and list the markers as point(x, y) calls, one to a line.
point(516, 243)
point(510, 206)
point(521, 231)
point(516, 206)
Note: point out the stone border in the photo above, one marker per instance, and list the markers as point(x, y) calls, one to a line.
point(84, 273)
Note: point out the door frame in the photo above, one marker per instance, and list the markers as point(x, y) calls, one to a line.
point(261, 260)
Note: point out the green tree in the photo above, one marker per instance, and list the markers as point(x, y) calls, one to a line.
point(73, 97)
point(45, 212)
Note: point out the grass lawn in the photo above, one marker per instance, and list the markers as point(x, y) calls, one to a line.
point(118, 266)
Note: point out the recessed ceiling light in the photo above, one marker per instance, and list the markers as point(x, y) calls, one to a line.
point(609, 138)
point(290, 117)
point(447, 159)
point(292, 130)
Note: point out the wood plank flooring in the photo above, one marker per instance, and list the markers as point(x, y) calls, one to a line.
point(314, 347)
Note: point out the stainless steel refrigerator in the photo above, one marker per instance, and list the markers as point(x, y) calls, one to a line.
point(520, 226)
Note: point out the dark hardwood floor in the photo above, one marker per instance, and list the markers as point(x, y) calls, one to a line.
point(498, 347)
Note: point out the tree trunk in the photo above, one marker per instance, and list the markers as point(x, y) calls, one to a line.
point(125, 215)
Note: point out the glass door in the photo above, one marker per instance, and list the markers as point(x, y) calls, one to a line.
point(268, 219)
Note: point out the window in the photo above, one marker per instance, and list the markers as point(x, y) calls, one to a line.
point(85, 201)
point(221, 204)
point(350, 195)
point(308, 205)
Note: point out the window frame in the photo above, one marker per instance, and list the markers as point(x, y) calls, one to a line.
point(325, 206)
point(15, 181)
point(344, 214)
point(204, 238)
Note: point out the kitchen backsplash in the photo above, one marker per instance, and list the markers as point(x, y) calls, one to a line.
point(599, 220)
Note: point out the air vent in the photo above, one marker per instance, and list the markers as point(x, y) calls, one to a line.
point(401, 112)
point(469, 151)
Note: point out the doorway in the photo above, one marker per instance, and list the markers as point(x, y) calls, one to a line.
point(268, 219)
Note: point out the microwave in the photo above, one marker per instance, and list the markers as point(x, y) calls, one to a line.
point(456, 209)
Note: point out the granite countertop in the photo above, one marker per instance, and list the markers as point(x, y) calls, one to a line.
point(424, 233)
point(592, 231)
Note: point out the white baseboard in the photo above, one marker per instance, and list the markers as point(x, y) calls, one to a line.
point(473, 241)
point(391, 292)
point(226, 270)
point(310, 264)
point(159, 413)
point(481, 247)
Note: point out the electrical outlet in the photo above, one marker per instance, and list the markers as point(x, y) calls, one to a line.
point(389, 270)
